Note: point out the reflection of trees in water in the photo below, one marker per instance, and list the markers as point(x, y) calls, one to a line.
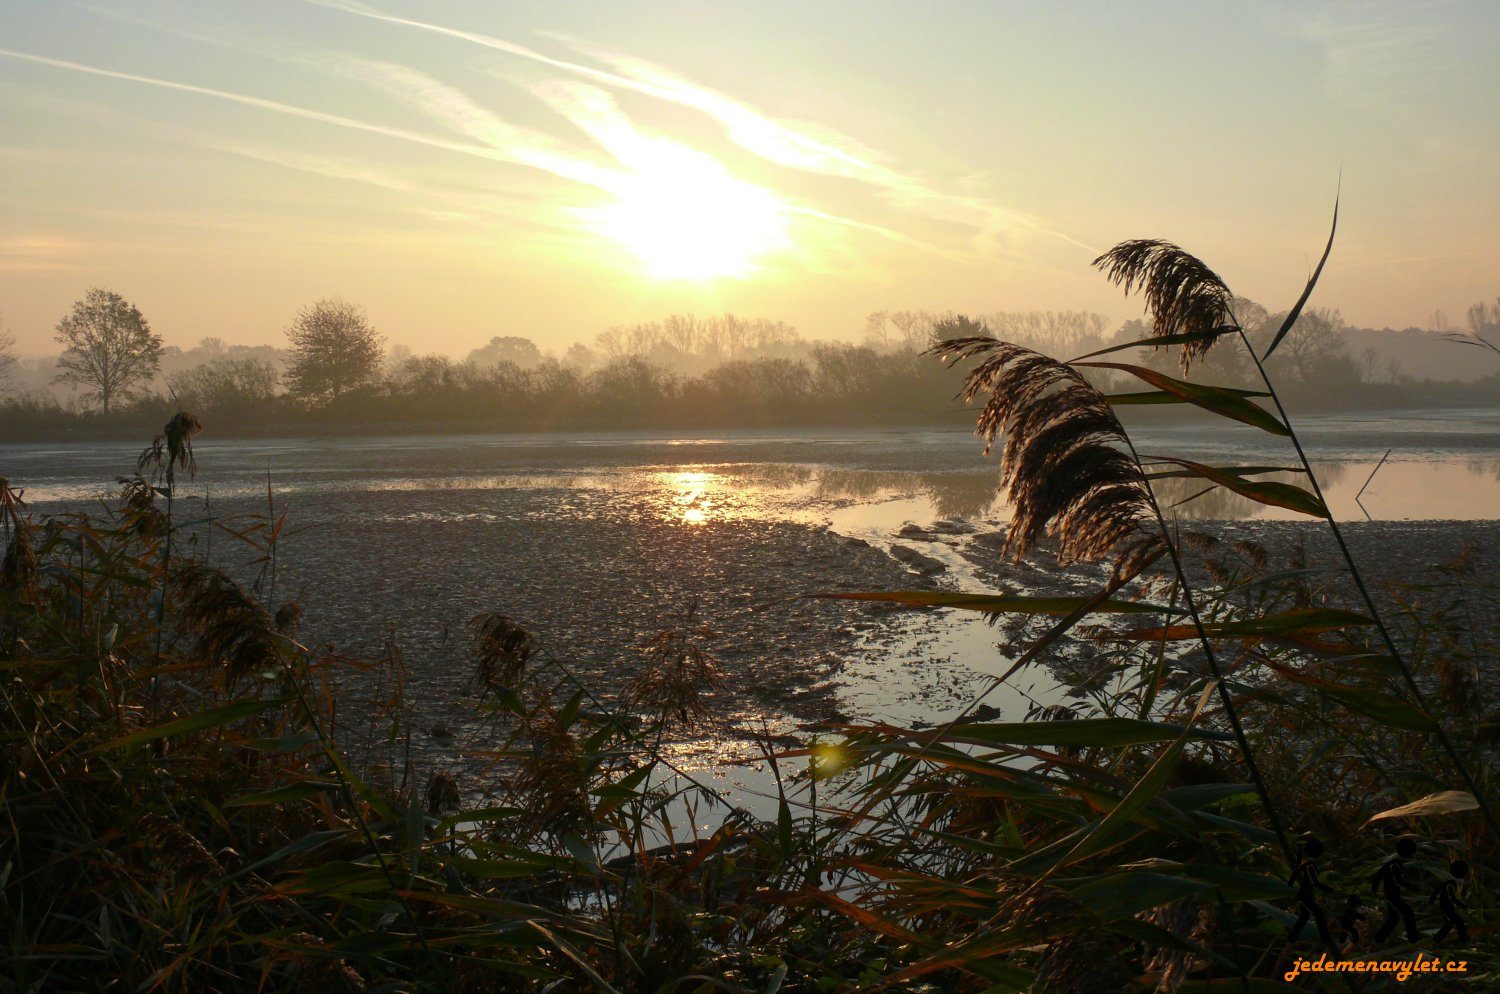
point(780, 475)
point(1219, 503)
point(1483, 467)
point(953, 494)
point(1216, 503)
point(973, 494)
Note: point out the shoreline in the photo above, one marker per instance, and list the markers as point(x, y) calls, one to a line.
point(96, 428)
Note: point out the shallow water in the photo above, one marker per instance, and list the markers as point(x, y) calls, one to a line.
point(1438, 465)
point(578, 530)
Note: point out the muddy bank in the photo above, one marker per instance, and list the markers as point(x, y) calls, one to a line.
point(591, 587)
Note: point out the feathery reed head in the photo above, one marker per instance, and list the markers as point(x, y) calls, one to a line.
point(550, 778)
point(141, 516)
point(232, 627)
point(178, 849)
point(442, 794)
point(678, 675)
point(172, 448)
point(500, 651)
point(289, 616)
point(1063, 466)
point(1183, 296)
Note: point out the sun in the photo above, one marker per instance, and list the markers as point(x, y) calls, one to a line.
point(685, 217)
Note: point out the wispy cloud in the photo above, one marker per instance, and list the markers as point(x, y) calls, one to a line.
point(31, 254)
point(1382, 54)
point(802, 147)
point(273, 106)
point(317, 165)
point(619, 150)
point(492, 139)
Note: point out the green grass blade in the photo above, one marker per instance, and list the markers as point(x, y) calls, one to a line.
point(1296, 311)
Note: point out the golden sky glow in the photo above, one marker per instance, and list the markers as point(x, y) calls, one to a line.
point(470, 169)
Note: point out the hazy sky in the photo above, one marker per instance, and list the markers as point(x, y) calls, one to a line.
point(474, 168)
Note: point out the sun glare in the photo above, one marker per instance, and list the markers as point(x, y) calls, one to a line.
point(686, 218)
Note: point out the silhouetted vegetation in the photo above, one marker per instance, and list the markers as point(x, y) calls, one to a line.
point(188, 806)
point(688, 372)
point(109, 349)
point(333, 350)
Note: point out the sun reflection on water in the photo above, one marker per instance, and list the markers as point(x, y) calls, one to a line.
point(690, 490)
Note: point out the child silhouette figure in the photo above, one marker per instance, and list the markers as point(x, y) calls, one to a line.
point(1350, 919)
point(1447, 900)
point(1391, 881)
point(1305, 876)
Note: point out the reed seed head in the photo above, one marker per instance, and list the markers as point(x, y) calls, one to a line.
point(1183, 296)
point(1063, 464)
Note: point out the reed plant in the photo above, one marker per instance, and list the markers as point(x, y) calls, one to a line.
point(195, 800)
point(1144, 836)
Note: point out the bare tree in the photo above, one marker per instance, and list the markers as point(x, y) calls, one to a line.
point(225, 385)
point(108, 348)
point(333, 349)
point(1484, 318)
point(7, 356)
point(1316, 349)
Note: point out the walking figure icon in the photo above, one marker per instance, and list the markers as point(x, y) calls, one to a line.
point(1390, 880)
point(1448, 902)
point(1305, 876)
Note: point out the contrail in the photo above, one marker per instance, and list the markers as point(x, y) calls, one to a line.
point(275, 106)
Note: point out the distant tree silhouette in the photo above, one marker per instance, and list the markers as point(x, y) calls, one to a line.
point(7, 356)
point(225, 386)
point(333, 349)
point(108, 348)
point(1484, 318)
point(507, 348)
point(1315, 351)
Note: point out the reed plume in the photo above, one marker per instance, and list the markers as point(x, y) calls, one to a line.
point(232, 627)
point(1064, 463)
point(500, 651)
point(141, 516)
point(1183, 296)
point(173, 448)
point(289, 616)
point(178, 849)
point(550, 781)
point(442, 794)
point(678, 675)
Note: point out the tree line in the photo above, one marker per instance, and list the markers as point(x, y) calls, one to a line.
point(685, 370)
